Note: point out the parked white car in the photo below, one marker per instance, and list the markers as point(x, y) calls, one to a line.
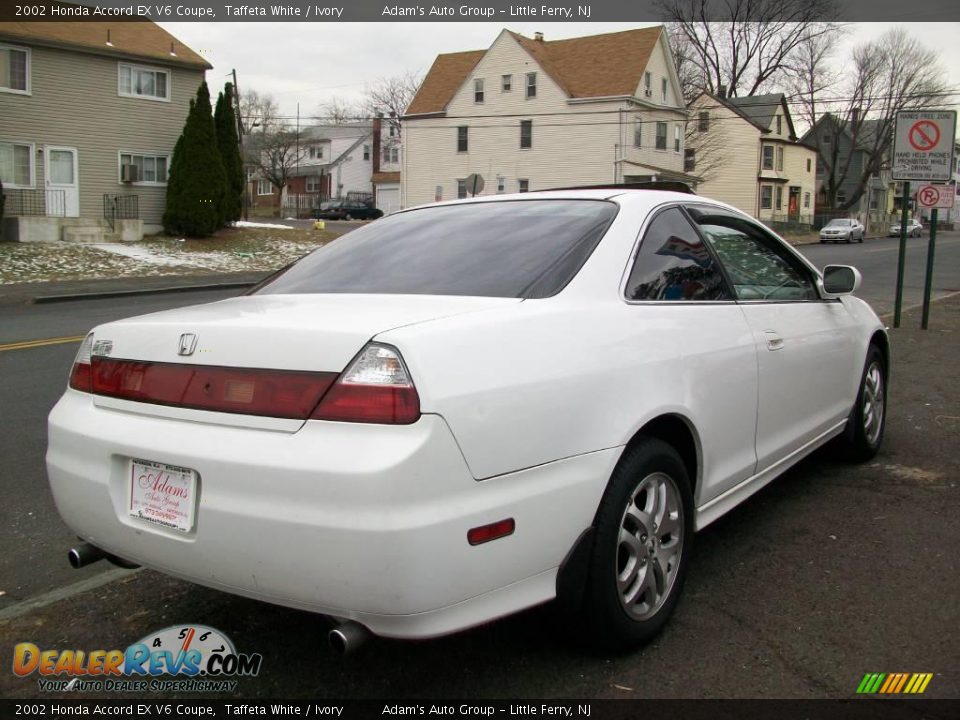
point(846, 229)
point(914, 228)
point(468, 409)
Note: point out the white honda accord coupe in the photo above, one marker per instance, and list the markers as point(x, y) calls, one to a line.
point(470, 408)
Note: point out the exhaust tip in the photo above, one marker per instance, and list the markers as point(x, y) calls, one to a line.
point(345, 639)
point(84, 554)
point(74, 557)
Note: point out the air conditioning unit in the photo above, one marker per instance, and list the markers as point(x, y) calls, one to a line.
point(129, 173)
point(648, 92)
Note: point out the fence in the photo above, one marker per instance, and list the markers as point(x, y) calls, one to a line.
point(120, 207)
point(37, 203)
point(301, 204)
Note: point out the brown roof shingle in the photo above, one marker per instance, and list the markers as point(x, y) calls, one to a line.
point(138, 39)
point(594, 66)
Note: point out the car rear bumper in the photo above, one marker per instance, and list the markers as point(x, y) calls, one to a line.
point(366, 522)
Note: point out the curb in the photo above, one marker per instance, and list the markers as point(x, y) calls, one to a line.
point(43, 299)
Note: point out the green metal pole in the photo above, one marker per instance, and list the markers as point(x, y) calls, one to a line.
point(928, 283)
point(903, 254)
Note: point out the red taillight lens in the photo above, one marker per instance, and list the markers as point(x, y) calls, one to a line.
point(273, 393)
point(80, 375)
point(375, 388)
point(493, 531)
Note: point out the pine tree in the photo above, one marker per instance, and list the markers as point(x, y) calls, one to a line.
point(228, 143)
point(197, 181)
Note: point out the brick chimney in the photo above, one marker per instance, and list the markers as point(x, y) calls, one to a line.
point(722, 91)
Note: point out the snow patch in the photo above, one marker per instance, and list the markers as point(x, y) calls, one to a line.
point(245, 224)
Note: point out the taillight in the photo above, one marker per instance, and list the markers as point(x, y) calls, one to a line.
point(249, 391)
point(80, 376)
point(375, 388)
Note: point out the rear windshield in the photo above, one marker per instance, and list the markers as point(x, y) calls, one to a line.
point(521, 248)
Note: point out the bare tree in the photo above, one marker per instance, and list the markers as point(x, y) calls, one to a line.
point(275, 155)
point(339, 111)
point(258, 110)
point(892, 73)
point(390, 97)
point(746, 50)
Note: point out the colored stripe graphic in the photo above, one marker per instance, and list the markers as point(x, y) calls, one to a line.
point(894, 683)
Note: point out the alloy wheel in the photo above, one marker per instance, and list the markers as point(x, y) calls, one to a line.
point(873, 405)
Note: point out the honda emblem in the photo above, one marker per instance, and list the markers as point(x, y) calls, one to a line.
point(188, 343)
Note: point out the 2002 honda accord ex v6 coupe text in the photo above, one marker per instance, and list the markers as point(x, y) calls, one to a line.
point(466, 409)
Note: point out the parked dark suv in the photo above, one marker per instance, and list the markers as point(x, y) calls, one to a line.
point(346, 210)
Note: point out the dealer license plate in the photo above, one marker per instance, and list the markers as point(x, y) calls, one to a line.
point(163, 494)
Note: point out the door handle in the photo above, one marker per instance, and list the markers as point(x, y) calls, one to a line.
point(774, 341)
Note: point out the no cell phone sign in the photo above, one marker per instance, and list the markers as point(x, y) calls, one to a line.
point(923, 145)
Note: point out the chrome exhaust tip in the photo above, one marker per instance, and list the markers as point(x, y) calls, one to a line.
point(84, 554)
point(346, 638)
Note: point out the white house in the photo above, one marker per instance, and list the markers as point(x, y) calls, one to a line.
point(334, 160)
point(388, 150)
point(528, 114)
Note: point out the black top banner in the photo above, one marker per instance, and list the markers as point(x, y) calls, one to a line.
point(473, 11)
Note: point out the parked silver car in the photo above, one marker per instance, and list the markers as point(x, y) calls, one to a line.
point(914, 228)
point(846, 229)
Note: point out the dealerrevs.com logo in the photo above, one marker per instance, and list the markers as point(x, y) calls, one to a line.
point(181, 658)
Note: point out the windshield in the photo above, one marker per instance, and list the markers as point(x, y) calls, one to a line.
point(839, 223)
point(520, 248)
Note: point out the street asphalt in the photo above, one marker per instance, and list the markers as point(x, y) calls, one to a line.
point(830, 572)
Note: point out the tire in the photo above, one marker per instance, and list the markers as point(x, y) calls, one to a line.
point(348, 216)
point(864, 433)
point(640, 555)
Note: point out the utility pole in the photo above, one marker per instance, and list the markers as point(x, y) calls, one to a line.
point(243, 157)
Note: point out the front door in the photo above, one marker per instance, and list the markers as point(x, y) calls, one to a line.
point(794, 206)
point(62, 182)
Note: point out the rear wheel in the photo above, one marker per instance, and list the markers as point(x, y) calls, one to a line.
point(348, 216)
point(644, 532)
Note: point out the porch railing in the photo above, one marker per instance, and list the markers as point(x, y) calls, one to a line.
point(120, 207)
point(35, 203)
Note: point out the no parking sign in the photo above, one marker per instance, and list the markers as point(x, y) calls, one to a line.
point(935, 196)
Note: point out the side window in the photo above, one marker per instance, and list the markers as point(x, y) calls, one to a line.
point(756, 266)
point(674, 264)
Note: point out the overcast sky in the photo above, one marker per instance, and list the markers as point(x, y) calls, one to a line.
point(310, 62)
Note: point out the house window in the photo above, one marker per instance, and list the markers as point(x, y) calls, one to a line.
point(806, 200)
point(478, 90)
point(661, 136)
point(703, 121)
point(393, 130)
point(766, 197)
point(663, 90)
point(366, 152)
point(506, 83)
point(808, 164)
point(264, 187)
point(779, 158)
point(523, 186)
point(462, 144)
point(767, 163)
point(647, 83)
point(391, 154)
point(461, 189)
point(779, 197)
point(144, 82)
point(313, 183)
point(638, 132)
point(501, 185)
point(676, 138)
point(689, 160)
point(526, 133)
point(150, 168)
point(531, 85)
point(16, 165)
point(316, 152)
point(14, 69)
point(841, 197)
point(827, 139)
point(779, 124)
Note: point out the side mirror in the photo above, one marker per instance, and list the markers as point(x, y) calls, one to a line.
point(840, 280)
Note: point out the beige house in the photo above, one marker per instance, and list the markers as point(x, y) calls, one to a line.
point(528, 114)
point(90, 114)
point(747, 154)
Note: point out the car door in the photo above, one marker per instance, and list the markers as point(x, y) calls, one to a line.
point(805, 346)
point(689, 336)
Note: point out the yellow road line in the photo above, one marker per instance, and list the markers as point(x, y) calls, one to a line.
point(27, 344)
